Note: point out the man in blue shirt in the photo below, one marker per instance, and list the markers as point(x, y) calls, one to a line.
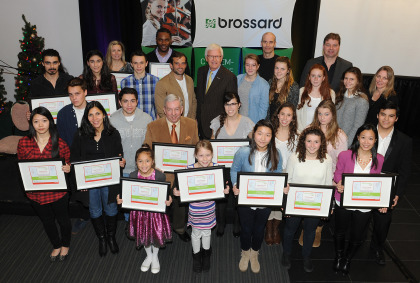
point(143, 82)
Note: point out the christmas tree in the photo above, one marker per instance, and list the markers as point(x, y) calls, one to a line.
point(29, 65)
point(4, 106)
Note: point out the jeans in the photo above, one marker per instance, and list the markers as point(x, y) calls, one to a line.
point(252, 226)
point(98, 199)
point(48, 213)
point(309, 228)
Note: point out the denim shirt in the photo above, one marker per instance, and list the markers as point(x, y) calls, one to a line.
point(258, 98)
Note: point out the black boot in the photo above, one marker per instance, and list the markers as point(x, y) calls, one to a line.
point(350, 252)
point(206, 259)
point(197, 266)
point(111, 227)
point(99, 226)
point(339, 251)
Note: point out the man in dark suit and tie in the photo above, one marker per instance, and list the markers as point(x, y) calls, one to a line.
point(213, 81)
point(397, 149)
point(334, 65)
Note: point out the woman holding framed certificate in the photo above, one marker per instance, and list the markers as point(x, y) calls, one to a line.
point(285, 126)
point(260, 156)
point(97, 139)
point(43, 143)
point(310, 165)
point(230, 125)
point(361, 158)
point(97, 75)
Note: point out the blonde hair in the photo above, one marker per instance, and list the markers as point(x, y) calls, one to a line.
point(108, 57)
point(150, 17)
point(389, 88)
point(203, 144)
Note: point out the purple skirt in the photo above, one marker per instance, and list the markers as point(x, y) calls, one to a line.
point(150, 228)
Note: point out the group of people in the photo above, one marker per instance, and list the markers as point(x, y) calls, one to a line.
point(315, 133)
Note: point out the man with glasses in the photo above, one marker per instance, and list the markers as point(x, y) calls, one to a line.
point(213, 80)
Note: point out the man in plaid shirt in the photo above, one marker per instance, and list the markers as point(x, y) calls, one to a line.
point(143, 82)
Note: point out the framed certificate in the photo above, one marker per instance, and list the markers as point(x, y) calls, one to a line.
point(170, 157)
point(224, 150)
point(199, 184)
point(42, 175)
point(119, 76)
point(144, 194)
point(261, 189)
point(159, 69)
point(367, 190)
point(108, 101)
point(309, 200)
point(97, 173)
point(53, 104)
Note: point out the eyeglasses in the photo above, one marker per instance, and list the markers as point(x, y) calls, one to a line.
point(231, 104)
point(214, 56)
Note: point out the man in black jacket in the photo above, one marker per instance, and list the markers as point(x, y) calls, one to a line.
point(397, 149)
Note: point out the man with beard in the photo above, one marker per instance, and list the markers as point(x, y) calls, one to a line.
point(178, 83)
point(53, 80)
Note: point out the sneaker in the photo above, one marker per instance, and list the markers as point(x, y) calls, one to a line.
point(285, 261)
point(79, 225)
point(307, 265)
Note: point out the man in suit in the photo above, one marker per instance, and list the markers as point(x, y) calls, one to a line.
point(397, 149)
point(334, 65)
point(178, 83)
point(213, 81)
point(174, 129)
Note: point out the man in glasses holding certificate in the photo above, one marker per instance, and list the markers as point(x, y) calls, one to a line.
point(176, 129)
point(397, 149)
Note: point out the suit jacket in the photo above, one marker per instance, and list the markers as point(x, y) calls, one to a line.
point(340, 67)
point(158, 131)
point(398, 159)
point(345, 164)
point(210, 104)
point(168, 85)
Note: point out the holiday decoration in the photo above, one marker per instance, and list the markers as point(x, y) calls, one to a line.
point(29, 60)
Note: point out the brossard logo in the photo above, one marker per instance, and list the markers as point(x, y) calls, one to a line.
point(245, 23)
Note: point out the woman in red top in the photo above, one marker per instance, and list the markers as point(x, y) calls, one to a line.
point(43, 143)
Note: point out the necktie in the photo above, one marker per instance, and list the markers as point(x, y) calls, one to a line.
point(174, 138)
point(209, 81)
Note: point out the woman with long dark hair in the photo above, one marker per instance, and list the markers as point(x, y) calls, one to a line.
point(260, 156)
point(351, 102)
point(97, 139)
point(97, 75)
point(311, 164)
point(362, 157)
point(43, 143)
point(230, 125)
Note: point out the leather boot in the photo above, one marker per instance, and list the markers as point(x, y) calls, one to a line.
point(99, 226)
point(276, 232)
point(339, 252)
point(111, 227)
point(197, 265)
point(269, 232)
point(350, 252)
point(317, 240)
point(206, 260)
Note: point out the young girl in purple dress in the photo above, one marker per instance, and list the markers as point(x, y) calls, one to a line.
point(202, 215)
point(150, 229)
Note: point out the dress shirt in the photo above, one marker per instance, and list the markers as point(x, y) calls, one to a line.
point(183, 85)
point(177, 127)
point(383, 143)
point(163, 59)
point(213, 75)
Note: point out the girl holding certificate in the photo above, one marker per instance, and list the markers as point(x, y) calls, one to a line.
point(202, 215)
point(311, 164)
point(43, 143)
point(97, 75)
point(315, 90)
point(285, 126)
point(230, 125)
point(97, 139)
point(260, 156)
point(362, 157)
point(150, 229)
